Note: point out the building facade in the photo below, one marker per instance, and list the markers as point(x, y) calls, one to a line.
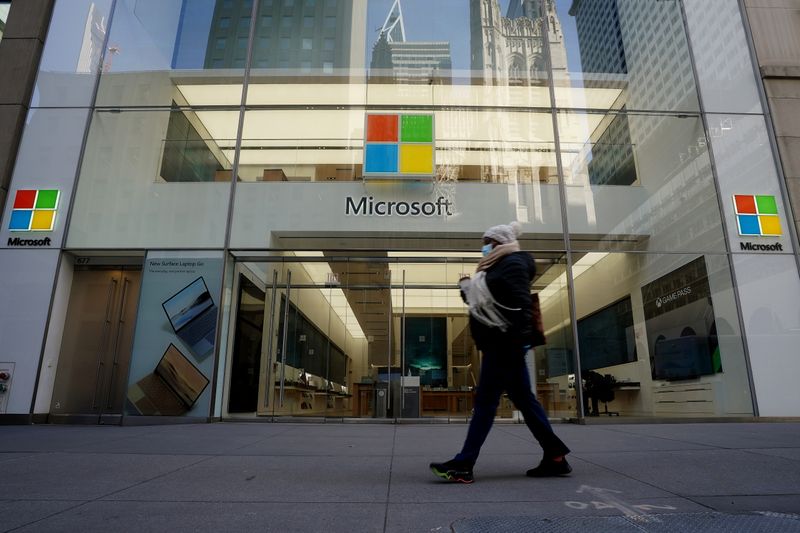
point(261, 208)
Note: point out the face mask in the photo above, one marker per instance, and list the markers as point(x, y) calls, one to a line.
point(486, 249)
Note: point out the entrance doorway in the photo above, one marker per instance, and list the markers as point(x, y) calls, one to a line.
point(91, 379)
point(330, 335)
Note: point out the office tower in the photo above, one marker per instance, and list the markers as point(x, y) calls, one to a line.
point(304, 35)
point(403, 61)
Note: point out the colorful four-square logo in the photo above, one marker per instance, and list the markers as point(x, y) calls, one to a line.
point(34, 210)
point(757, 215)
point(399, 145)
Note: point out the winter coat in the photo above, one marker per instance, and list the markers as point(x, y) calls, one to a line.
point(509, 281)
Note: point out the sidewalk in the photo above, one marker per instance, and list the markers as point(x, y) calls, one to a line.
point(340, 477)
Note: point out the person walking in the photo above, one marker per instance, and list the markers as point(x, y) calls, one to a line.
point(501, 323)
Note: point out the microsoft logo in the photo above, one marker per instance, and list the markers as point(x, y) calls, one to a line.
point(34, 210)
point(757, 215)
point(398, 145)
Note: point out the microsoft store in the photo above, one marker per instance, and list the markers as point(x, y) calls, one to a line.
point(245, 209)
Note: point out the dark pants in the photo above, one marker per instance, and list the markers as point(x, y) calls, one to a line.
point(504, 369)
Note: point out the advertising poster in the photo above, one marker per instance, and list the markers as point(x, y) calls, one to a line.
point(681, 329)
point(172, 361)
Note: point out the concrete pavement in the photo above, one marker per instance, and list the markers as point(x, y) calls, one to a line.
point(332, 477)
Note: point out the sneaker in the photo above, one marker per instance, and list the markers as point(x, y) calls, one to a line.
point(550, 468)
point(453, 471)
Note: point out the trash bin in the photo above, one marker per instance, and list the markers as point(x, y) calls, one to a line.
point(381, 400)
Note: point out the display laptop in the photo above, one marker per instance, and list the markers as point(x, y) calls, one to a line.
point(171, 389)
point(193, 315)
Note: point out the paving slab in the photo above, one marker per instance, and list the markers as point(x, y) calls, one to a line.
point(358, 441)
point(706, 472)
point(374, 477)
point(778, 503)
point(686, 523)
point(440, 517)
point(61, 438)
point(270, 479)
point(723, 435)
point(189, 441)
point(786, 453)
point(190, 517)
point(18, 513)
point(78, 476)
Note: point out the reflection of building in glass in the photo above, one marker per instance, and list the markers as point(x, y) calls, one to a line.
point(643, 45)
point(612, 154)
point(3, 17)
point(601, 47)
point(394, 27)
point(604, 64)
point(94, 35)
point(411, 62)
point(306, 35)
point(408, 61)
point(510, 50)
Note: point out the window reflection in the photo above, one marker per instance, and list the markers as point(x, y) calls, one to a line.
point(291, 39)
point(491, 42)
point(4, 8)
point(621, 53)
point(641, 181)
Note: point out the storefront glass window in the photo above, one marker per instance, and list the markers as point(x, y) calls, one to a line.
point(614, 54)
point(4, 7)
point(496, 43)
point(153, 177)
point(639, 182)
point(291, 37)
point(659, 336)
point(492, 166)
point(379, 140)
point(73, 53)
point(172, 52)
point(380, 337)
point(723, 64)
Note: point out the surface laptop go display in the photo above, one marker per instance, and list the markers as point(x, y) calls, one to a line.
point(193, 315)
point(171, 389)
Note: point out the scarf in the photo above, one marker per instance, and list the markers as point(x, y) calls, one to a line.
point(497, 253)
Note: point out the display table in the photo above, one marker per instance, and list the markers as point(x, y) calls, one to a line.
point(446, 402)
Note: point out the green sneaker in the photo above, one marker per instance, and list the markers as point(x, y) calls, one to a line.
point(453, 471)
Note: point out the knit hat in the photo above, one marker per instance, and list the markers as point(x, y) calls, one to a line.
point(504, 233)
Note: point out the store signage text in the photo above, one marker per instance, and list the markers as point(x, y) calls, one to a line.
point(750, 247)
point(368, 206)
point(16, 241)
point(661, 300)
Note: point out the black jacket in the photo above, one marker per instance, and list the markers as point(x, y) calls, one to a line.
point(509, 281)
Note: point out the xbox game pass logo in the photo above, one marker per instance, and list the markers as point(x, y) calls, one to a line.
point(757, 216)
point(34, 210)
point(399, 146)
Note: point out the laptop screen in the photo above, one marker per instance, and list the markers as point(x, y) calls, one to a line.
point(188, 303)
point(185, 380)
